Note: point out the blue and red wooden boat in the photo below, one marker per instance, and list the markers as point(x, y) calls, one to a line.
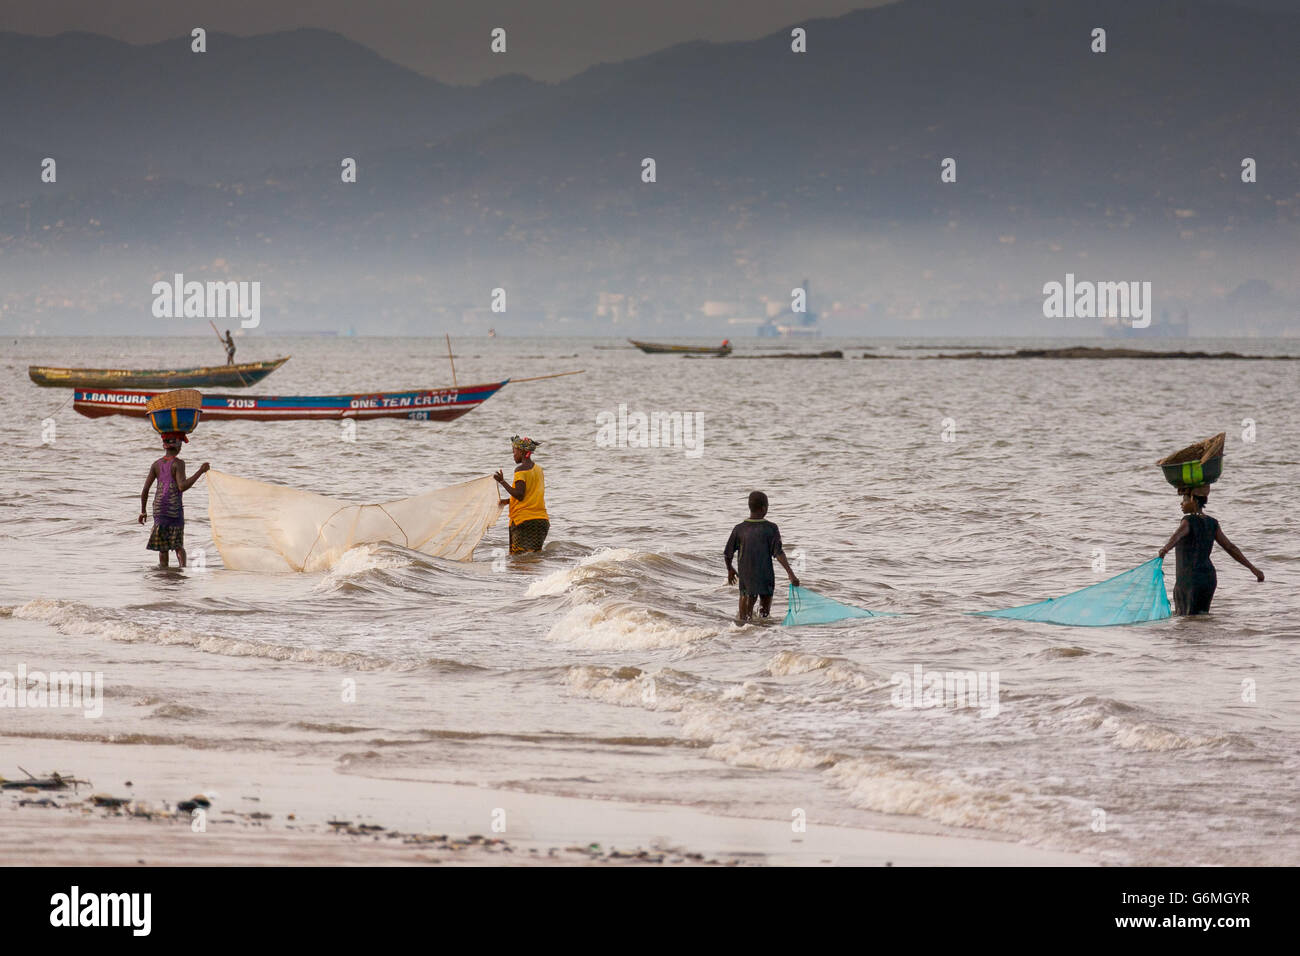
point(433, 404)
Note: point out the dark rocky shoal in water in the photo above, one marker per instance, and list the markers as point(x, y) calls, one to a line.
point(836, 354)
point(1093, 352)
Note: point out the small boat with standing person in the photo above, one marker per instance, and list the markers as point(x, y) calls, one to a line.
point(205, 376)
point(652, 348)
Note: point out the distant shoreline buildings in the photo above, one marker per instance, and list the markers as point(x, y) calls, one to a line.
point(1162, 327)
point(785, 323)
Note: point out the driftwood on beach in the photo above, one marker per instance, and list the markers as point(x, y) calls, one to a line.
point(55, 781)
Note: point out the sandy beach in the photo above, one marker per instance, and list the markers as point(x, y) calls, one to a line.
point(314, 815)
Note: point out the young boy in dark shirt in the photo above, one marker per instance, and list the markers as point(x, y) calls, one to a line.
point(758, 541)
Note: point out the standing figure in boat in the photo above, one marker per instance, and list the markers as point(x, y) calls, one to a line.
point(168, 509)
point(230, 348)
point(1196, 536)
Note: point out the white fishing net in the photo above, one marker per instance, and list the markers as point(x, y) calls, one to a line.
point(262, 527)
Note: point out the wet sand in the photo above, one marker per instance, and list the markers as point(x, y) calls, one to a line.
point(269, 811)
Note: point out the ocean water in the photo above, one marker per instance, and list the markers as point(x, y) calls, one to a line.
point(609, 665)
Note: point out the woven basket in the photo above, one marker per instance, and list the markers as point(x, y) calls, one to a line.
point(178, 398)
point(1202, 451)
point(175, 411)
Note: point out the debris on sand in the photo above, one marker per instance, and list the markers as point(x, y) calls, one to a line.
point(476, 848)
point(55, 781)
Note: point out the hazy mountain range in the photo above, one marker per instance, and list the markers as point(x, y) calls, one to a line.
point(771, 166)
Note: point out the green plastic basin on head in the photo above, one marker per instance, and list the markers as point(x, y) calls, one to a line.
point(1189, 474)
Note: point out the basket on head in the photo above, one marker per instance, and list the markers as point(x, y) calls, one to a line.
point(175, 411)
point(1196, 465)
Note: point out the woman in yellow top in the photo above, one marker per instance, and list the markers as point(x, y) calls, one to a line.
point(529, 522)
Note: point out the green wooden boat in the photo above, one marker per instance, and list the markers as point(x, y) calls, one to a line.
point(208, 376)
point(653, 348)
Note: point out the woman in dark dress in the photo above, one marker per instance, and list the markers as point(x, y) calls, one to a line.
point(1196, 535)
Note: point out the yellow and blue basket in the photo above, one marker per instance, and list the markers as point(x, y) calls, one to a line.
point(175, 411)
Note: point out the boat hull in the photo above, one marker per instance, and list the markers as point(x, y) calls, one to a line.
point(209, 376)
point(652, 348)
point(436, 405)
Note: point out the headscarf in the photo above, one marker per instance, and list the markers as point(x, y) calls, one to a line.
point(526, 445)
point(173, 435)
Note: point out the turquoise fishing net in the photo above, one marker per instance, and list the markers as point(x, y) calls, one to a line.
point(1129, 598)
point(809, 607)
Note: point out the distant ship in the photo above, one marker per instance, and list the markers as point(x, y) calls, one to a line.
point(1163, 327)
point(793, 325)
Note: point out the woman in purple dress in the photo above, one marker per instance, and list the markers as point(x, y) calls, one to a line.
point(168, 508)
